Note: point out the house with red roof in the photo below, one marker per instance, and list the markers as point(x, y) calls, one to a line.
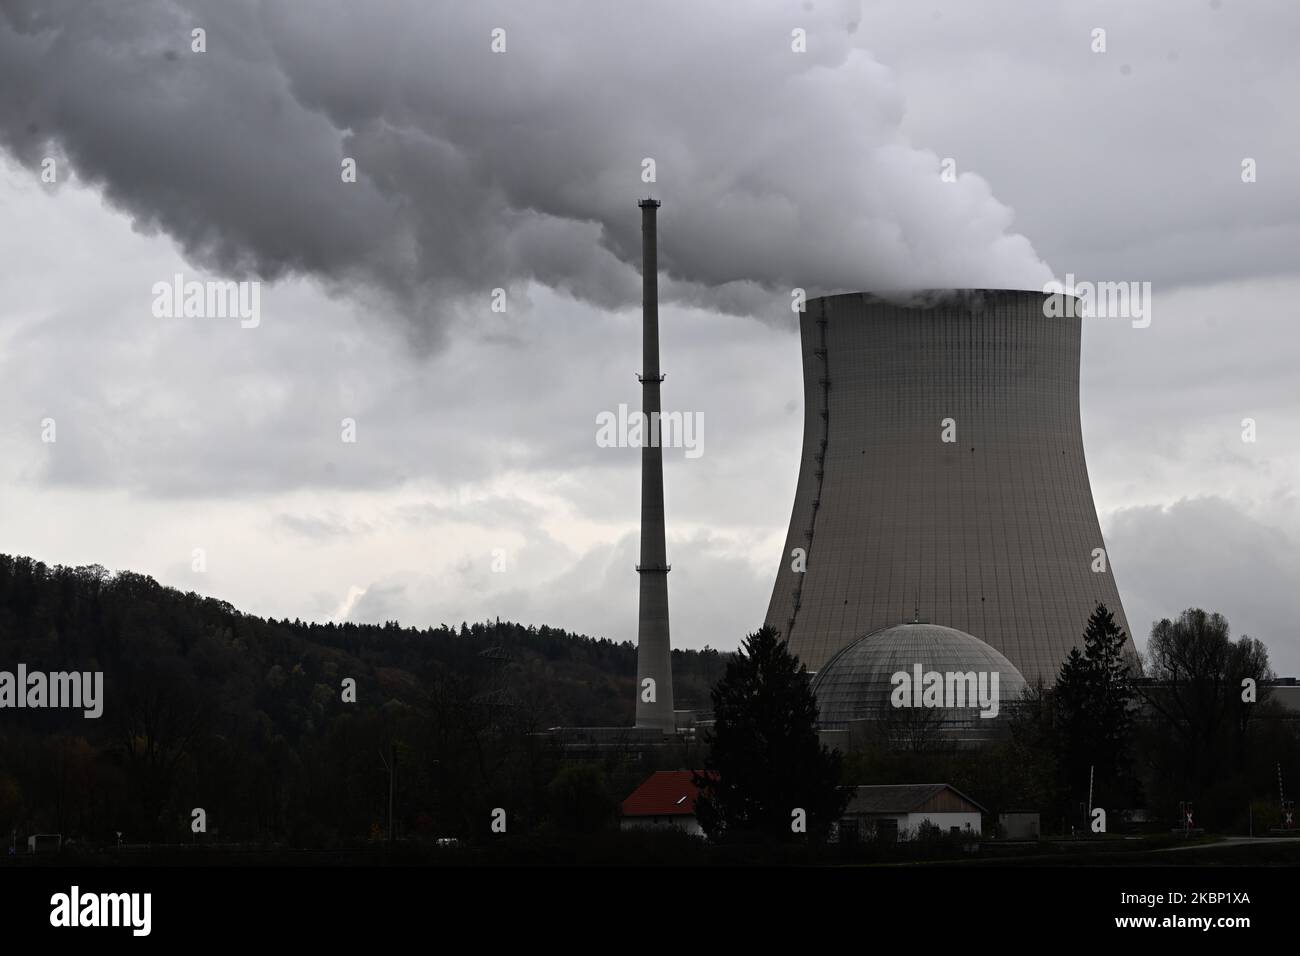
point(666, 799)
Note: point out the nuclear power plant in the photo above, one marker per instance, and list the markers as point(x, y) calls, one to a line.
point(942, 512)
point(942, 480)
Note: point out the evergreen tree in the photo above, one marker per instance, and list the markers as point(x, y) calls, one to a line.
point(766, 761)
point(1094, 712)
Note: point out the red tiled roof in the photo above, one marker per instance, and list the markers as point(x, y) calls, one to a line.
point(665, 793)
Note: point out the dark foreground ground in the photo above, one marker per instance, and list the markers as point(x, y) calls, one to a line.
point(545, 890)
point(671, 849)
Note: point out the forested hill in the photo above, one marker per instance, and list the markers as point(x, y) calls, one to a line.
point(290, 672)
point(206, 707)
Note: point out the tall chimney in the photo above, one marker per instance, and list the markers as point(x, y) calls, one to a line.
point(654, 664)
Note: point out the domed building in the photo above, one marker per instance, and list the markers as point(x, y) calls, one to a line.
point(916, 685)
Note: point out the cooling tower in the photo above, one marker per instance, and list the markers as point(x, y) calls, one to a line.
point(942, 478)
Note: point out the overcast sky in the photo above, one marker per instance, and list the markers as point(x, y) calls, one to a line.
point(520, 170)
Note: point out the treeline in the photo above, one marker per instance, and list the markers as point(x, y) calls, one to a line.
point(244, 717)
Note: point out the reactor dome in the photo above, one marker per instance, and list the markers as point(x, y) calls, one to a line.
point(918, 683)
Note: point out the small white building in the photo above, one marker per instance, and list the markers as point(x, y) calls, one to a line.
point(901, 811)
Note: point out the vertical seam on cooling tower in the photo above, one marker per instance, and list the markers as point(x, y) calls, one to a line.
point(824, 380)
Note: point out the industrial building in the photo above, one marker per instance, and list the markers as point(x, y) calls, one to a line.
point(654, 662)
point(942, 479)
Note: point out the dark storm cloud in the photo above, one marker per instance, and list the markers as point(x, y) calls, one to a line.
point(479, 170)
point(210, 148)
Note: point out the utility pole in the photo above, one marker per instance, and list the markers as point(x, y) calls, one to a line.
point(1091, 768)
point(1287, 806)
point(391, 766)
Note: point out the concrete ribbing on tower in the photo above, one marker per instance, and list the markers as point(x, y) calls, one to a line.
point(654, 650)
point(991, 530)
